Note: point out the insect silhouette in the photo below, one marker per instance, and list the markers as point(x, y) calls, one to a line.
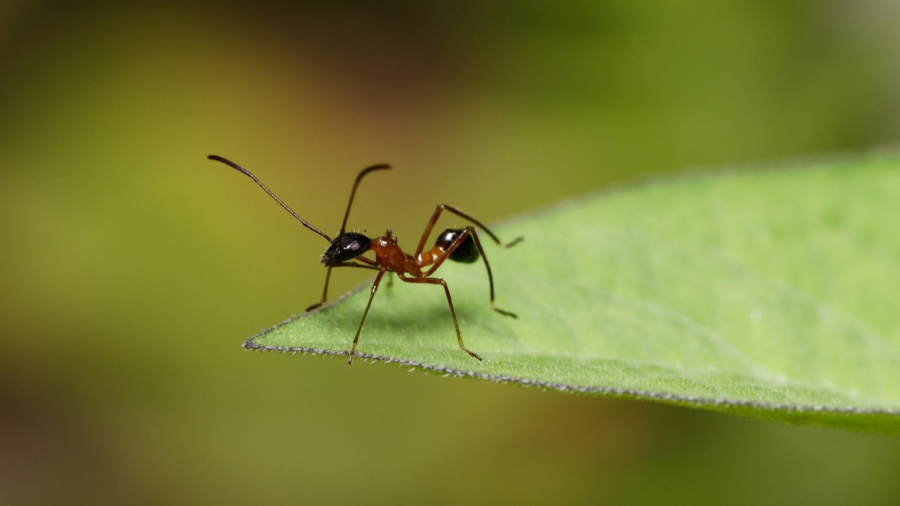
point(346, 250)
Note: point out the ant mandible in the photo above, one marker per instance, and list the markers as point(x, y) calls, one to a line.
point(346, 250)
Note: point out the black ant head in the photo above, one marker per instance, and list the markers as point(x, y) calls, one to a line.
point(346, 246)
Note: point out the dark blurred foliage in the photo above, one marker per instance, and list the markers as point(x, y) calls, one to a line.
point(132, 268)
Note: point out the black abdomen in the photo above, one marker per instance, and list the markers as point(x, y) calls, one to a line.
point(466, 252)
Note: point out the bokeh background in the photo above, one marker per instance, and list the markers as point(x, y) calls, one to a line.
point(132, 268)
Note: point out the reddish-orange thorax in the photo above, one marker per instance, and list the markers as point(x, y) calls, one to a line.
point(389, 254)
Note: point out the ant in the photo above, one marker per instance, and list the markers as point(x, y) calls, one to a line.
point(345, 250)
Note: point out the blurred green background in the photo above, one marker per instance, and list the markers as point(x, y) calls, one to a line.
point(132, 268)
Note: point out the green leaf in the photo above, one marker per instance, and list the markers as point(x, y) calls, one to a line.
point(768, 293)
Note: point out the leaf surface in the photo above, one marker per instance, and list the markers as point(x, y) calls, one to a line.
point(768, 293)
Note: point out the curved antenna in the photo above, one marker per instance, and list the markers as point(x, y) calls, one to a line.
point(381, 166)
point(250, 174)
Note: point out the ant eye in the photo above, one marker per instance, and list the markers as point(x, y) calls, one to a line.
point(354, 246)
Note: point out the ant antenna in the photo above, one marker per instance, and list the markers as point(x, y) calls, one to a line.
point(373, 168)
point(250, 174)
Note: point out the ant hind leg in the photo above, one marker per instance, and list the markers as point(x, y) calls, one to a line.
point(470, 231)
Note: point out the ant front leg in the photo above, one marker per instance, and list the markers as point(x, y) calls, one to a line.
point(365, 313)
point(438, 281)
point(390, 279)
point(437, 214)
point(367, 264)
point(469, 231)
point(324, 293)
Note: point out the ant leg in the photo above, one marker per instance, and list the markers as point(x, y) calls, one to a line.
point(437, 214)
point(324, 293)
point(459, 240)
point(490, 277)
point(390, 279)
point(438, 281)
point(366, 312)
point(371, 265)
